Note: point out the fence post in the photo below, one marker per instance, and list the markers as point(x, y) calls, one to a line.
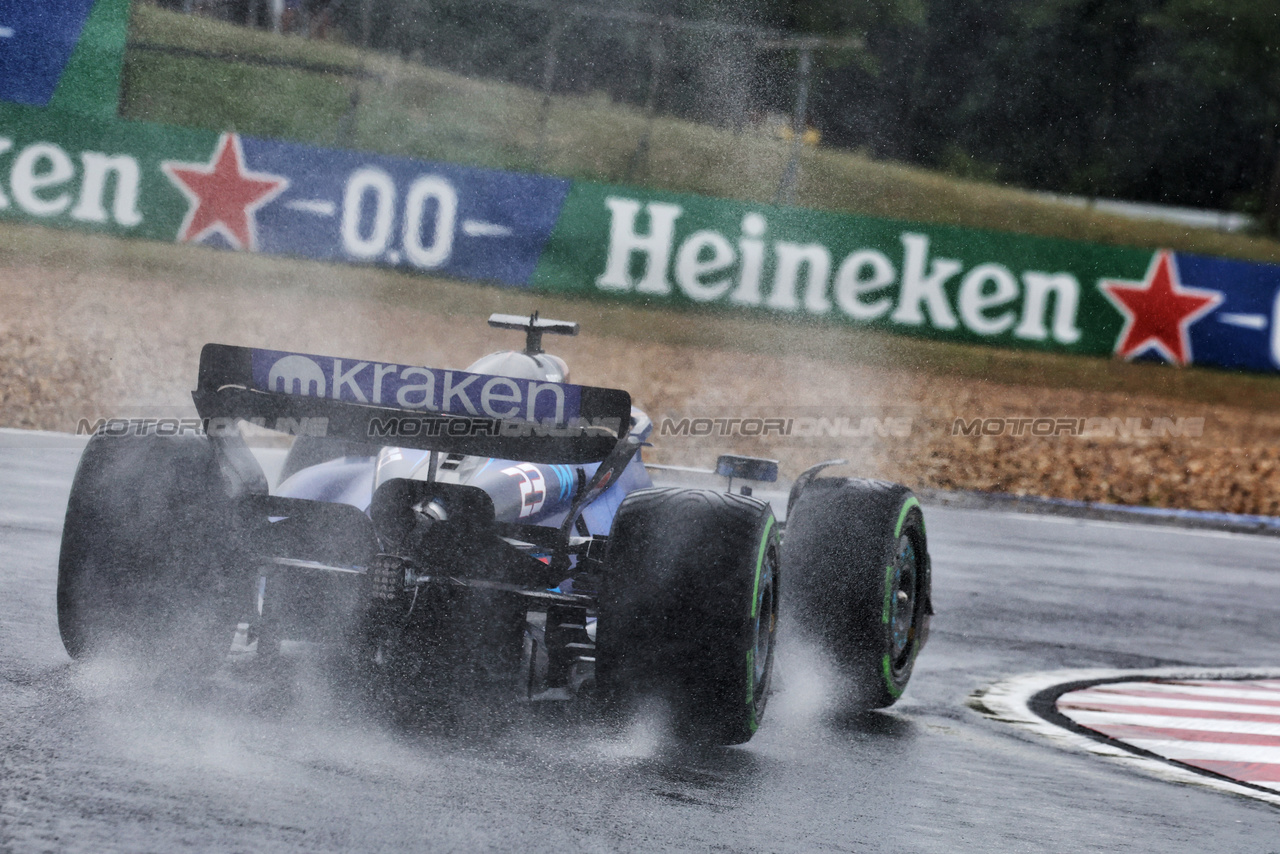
point(552, 58)
point(791, 175)
point(346, 134)
point(741, 92)
point(658, 61)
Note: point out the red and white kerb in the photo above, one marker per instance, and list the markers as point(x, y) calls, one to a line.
point(1227, 727)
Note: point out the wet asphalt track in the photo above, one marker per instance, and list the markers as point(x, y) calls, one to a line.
point(96, 758)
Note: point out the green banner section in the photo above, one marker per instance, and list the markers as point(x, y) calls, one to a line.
point(91, 82)
point(624, 243)
point(75, 171)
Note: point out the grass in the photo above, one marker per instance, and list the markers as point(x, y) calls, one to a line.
point(418, 111)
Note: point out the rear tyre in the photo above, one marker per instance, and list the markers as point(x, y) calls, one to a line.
point(858, 571)
point(150, 563)
point(688, 610)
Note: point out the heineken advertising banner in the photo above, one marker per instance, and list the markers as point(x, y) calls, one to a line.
point(255, 195)
point(66, 161)
point(936, 281)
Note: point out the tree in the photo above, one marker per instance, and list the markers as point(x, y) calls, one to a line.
point(1233, 43)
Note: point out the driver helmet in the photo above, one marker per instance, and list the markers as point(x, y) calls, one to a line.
point(513, 363)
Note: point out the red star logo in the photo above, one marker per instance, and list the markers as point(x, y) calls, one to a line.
point(223, 195)
point(1158, 310)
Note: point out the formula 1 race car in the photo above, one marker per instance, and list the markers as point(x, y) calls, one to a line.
point(466, 527)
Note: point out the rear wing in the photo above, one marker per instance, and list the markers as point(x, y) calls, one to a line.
point(383, 403)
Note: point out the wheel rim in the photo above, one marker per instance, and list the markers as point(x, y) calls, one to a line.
point(765, 624)
point(902, 602)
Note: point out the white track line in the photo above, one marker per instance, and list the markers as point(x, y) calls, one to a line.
point(1184, 751)
point(1008, 701)
point(1086, 698)
point(1244, 691)
point(1094, 719)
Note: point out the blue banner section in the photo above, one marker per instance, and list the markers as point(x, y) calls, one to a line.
point(37, 38)
point(393, 211)
point(411, 387)
point(1243, 329)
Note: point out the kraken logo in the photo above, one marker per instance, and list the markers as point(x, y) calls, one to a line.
point(297, 375)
